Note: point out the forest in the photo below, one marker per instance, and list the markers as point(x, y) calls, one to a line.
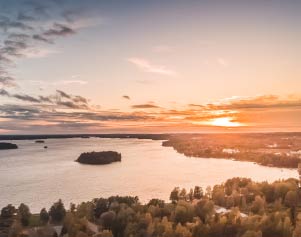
point(281, 150)
point(238, 207)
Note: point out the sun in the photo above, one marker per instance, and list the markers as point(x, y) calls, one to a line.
point(225, 122)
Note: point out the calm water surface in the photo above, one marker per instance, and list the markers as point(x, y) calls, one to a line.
point(38, 176)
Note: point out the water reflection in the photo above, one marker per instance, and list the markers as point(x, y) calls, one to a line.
point(38, 176)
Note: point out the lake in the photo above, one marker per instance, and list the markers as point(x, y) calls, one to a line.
point(38, 177)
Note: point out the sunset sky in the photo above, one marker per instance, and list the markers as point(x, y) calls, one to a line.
point(107, 66)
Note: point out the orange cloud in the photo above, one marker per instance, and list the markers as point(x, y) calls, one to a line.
point(262, 113)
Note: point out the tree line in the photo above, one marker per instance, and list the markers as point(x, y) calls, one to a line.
point(238, 207)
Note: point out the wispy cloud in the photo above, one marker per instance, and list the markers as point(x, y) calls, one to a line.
point(57, 100)
point(58, 82)
point(126, 97)
point(28, 26)
point(258, 102)
point(59, 30)
point(6, 81)
point(68, 82)
point(39, 52)
point(66, 111)
point(145, 106)
point(147, 66)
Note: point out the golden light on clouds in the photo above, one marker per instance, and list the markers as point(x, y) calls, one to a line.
point(75, 113)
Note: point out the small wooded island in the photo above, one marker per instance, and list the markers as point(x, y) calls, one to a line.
point(99, 158)
point(6, 146)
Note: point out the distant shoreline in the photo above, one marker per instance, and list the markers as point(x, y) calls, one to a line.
point(62, 136)
point(152, 136)
point(194, 145)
